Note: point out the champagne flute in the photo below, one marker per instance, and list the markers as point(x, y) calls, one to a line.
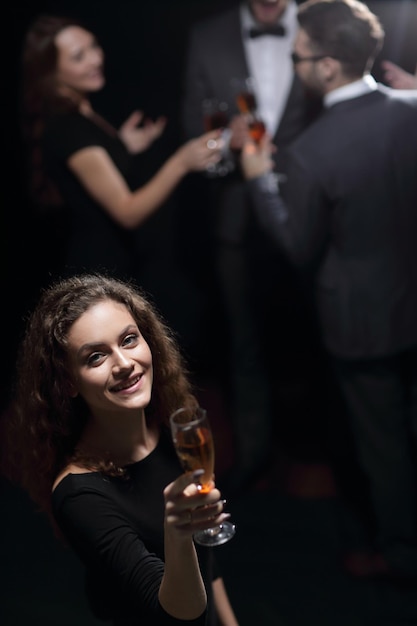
point(257, 129)
point(247, 104)
point(244, 89)
point(193, 441)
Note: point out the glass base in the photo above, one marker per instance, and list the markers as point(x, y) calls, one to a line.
point(220, 169)
point(215, 536)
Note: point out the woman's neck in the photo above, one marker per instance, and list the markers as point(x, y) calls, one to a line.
point(79, 99)
point(85, 108)
point(122, 441)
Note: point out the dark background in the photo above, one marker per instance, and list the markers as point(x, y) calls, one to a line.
point(145, 44)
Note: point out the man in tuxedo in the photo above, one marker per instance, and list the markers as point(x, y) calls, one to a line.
point(261, 293)
point(349, 211)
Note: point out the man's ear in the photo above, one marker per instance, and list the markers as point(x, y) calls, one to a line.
point(330, 69)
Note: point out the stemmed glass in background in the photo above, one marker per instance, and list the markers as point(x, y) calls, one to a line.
point(193, 441)
point(215, 116)
point(244, 89)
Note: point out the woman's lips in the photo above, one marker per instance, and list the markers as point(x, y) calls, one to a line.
point(130, 384)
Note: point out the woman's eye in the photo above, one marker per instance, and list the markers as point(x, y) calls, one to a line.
point(131, 339)
point(95, 358)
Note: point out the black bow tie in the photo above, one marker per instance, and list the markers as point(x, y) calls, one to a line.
point(276, 30)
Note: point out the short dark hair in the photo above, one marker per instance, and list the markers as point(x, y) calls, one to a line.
point(345, 30)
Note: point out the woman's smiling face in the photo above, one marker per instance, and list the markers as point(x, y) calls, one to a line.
point(110, 361)
point(80, 61)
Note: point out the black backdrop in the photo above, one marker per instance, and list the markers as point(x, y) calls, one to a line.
point(144, 44)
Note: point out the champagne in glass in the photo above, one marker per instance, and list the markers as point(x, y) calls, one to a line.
point(247, 104)
point(256, 129)
point(245, 95)
point(193, 441)
point(195, 450)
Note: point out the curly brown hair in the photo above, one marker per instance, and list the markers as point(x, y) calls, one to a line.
point(44, 423)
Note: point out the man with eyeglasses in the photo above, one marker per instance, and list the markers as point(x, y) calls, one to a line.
point(348, 211)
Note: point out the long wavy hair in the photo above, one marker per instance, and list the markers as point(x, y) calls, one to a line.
point(40, 98)
point(44, 423)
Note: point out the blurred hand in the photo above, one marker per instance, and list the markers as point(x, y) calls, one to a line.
point(397, 78)
point(138, 138)
point(197, 154)
point(187, 509)
point(256, 159)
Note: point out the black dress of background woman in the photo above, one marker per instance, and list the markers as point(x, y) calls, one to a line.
point(78, 159)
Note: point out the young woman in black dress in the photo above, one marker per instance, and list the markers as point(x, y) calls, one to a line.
point(87, 437)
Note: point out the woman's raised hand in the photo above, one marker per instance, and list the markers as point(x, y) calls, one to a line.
point(188, 510)
point(138, 138)
point(199, 153)
point(397, 78)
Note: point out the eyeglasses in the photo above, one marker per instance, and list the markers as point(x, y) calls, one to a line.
point(297, 59)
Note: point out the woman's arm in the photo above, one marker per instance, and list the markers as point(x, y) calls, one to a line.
point(223, 607)
point(182, 593)
point(102, 180)
point(397, 78)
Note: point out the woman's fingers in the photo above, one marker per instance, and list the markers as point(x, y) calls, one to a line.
point(188, 481)
point(187, 506)
point(197, 517)
point(133, 120)
point(196, 514)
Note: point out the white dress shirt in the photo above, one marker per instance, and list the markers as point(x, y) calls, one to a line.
point(352, 90)
point(269, 61)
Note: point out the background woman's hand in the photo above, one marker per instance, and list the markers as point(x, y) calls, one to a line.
point(138, 138)
point(187, 509)
point(197, 154)
point(397, 78)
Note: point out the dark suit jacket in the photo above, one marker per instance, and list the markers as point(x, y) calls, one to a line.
point(351, 211)
point(215, 56)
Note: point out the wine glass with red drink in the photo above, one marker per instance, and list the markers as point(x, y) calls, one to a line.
point(216, 116)
point(193, 441)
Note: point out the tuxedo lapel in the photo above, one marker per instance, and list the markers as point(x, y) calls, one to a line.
point(228, 56)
